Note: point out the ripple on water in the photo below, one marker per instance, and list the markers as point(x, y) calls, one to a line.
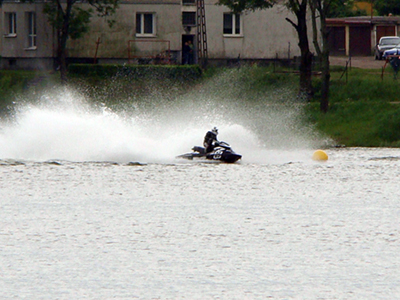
point(202, 231)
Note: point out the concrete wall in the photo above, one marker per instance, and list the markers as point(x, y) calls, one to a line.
point(14, 49)
point(265, 34)
point(114, 40)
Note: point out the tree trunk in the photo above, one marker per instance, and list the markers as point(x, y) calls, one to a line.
point(325, 65)
point(306, 89)
point(326, 77)
point(322, 7)
point(62, 41)
point(62, 58)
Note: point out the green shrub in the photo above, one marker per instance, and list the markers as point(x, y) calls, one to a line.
point(359, 123)
point(389, 126)
point(5, 83)
point(137, 72)
point(11, 83)
point(362, 85)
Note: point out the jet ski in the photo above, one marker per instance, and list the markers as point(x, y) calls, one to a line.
point(222, 152)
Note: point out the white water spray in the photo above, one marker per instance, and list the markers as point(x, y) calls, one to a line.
point(65, 127)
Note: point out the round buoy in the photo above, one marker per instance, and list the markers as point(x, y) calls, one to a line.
point(320, 155)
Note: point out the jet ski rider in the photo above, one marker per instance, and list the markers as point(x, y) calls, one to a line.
point(210, 140)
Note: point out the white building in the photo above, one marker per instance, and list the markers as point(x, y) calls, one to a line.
point(145, 29)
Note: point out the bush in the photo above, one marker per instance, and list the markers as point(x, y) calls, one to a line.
point(12, 83)
point(136, 72)
point(389, 126)
point(364, 124)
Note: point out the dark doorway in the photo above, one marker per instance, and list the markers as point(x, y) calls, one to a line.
point(360, 41)
point(337, 40)
point(384, 31)
point(188, 49)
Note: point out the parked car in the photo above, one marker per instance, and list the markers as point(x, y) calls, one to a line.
point(394, 51)
point(386, 43)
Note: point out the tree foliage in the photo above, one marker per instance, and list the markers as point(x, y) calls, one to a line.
point(299, 9)
point(386, 7)
point(60, 13)
point(78, 21)
point(71, 19)
point(238, 6)
point(344, 8)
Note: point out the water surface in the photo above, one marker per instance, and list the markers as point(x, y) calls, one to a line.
point(94, 205)
point(185, 230)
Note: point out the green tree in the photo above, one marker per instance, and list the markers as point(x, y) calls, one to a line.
point(299, 9)
point(71, 20)
point(386, 7)
point(321, 10)
point(344, 8)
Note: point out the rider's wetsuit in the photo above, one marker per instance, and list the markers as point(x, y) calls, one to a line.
point(209, 141)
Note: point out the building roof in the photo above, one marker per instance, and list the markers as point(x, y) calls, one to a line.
point(364, 20)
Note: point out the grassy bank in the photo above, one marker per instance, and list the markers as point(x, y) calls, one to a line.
point(12, 83)
point(15, 84)
point(364, 108)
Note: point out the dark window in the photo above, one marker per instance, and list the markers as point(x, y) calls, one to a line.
point(12, 23)
point(31, 30)
point(189, 18)
point(237, 24)
point(144, 23)
point(227, 23)
point(232, 24)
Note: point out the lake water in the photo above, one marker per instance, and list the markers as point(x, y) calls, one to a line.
point(93, 206)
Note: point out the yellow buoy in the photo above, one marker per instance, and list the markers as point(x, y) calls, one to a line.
point(320, 155)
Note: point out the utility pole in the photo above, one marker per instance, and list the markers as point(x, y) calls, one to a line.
point(202, 53)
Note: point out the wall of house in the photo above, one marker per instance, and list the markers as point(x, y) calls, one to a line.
point(114, 40)
point(265, 34)
point(14, 49)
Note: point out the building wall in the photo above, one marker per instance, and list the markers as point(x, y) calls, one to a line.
point(114, 40)
point(15, 47)
point(264, 34)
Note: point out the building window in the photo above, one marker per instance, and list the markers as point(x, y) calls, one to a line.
point(31, 18)
point(232, 24)
point(145, 24)
point(188, 2)
point(189, 19)
point(11, 24)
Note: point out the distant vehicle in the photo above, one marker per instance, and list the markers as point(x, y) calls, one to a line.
point(394, 51)
point(386, 43)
